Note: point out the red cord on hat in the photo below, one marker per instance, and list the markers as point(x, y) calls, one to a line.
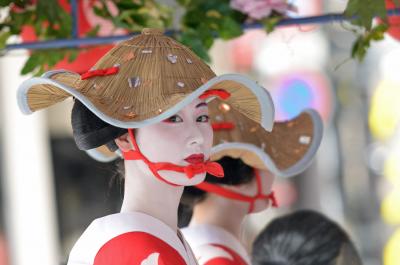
point(221, 126)
point(190, 171)
point(229, 194)
point(221, 93)
point(100, 72)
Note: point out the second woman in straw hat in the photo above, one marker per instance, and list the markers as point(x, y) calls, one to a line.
point(251, 158)
point(147, 99)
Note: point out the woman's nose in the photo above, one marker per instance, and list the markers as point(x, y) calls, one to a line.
point(195, 136)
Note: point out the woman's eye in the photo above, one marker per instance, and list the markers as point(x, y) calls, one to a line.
point(174, 119)
point(203, 118)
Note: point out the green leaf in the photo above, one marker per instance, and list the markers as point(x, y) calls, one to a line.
point(53, 57)
point(229, 29)
point(72, 55)
point(184, 2)
point(363, 42)
point(378, 32)
point(192, 40)
point(93, 32)
point(48, 9)
point(3, 38)
point(204, 34)
point(364, 11)
point(359, 49)
point(31, 64)
point(101, 11)
point(271, 22)
point(8, 2)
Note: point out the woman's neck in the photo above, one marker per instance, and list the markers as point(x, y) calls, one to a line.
point(221, 212)
point(146, 194)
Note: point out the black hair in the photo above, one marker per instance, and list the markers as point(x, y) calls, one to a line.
point(304, 238)
point(236, 172)
point(90, 132)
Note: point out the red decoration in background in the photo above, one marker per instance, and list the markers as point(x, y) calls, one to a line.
point(87, 20)
point(244, 48)
point(394, 21)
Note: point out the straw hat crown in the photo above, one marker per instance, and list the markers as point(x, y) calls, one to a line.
point(151, 67)
point(144, 80)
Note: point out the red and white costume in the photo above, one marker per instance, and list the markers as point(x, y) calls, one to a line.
point(213, 245)
point(130, 239)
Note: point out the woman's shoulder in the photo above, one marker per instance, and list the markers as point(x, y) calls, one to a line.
point(137, 248)
point(213, 254)
point(209, 254)
point(123, 238)
point(213, 245)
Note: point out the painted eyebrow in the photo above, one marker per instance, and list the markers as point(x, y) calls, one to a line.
point(202, 104)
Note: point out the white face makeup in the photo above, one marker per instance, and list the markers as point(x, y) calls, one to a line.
point(186, 135)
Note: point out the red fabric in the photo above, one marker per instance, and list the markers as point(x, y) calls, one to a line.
point(133, 248)
point(100, 72)
point(229, 194)
point(87, 57)
point(220, 261)
point(221, 93)
point(212, 168)
point(237, 259)
point(219, 126)
point(260, 194)
point(394, 21)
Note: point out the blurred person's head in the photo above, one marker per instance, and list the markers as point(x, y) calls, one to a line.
point(304, 238)
point(251, 159)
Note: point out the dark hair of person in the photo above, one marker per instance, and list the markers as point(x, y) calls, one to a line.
point(304, 238)
point(89, 131)
point(235, 172)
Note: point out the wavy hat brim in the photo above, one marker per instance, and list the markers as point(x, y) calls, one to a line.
point(58, 85)
point(285, 151)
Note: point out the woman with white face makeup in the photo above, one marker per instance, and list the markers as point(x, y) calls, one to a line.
point(146, 100)
point(251, 158)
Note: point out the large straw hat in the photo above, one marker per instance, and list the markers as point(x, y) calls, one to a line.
point(144, 80)
point(286, 151)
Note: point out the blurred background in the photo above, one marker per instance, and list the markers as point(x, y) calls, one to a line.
point(51, 191)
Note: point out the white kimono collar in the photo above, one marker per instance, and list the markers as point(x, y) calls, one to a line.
point(101, 230)
point(199, 235)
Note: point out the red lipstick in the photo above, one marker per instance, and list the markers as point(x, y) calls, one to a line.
point(195, 159)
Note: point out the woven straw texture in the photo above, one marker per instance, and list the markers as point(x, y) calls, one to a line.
point(286, 145)
point(155, 73)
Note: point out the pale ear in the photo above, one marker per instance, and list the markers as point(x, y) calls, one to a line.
point(123, 143)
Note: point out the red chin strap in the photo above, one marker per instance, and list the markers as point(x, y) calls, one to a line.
point(190, 171)
point(213, 188)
